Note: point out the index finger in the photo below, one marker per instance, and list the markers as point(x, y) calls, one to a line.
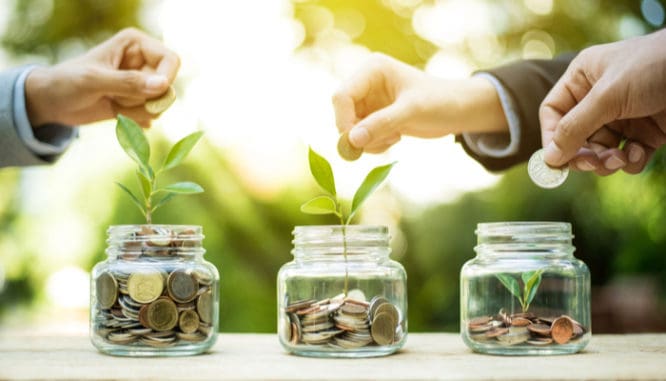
point(353, 90)
point(155, 53)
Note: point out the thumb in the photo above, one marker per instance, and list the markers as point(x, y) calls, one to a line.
point(131, 83)
point(378, 126)
point(577, 125)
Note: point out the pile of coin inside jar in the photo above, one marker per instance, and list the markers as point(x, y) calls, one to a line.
point(525, 327)
point(150, 301)
point(342, 322)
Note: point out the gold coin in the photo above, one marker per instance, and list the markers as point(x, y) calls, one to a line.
point(346, 150)
point(188, 321)
point(383, 328)
point(162, 314)
point(205, 306)
point(160, 104)
point(520, 322)
point(388, 308)
point(107, 290)
point(145, 286)
point(562, 330)
point(181, 286)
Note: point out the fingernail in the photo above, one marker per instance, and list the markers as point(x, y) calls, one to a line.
point(585, 165)
point(156, 82)
point(359, 137)
point(614, 163)
point(635, 154)
point(552, 154)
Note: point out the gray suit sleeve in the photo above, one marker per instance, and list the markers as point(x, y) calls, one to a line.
point(527, 83)
point(13, 150)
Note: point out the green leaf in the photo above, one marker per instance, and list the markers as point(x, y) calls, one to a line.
point(511, 284)
point(133, 141)
point(320, 205)
point(145, 184)
point(134, 199)
point(185, 187)
point(322, 172)
point(163, 201)
point(531, 286)
point(371, 182)
point(181, 149)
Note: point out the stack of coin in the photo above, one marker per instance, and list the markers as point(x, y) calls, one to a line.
point(341, 322)
point(525, 328)
point(154, 303)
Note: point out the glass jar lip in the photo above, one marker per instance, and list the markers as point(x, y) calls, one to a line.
point(323, 236)
point(140, 232)
point(530, 228)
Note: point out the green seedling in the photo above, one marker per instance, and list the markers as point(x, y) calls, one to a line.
point(531, 281)
point(152, 197)
point(330, 202)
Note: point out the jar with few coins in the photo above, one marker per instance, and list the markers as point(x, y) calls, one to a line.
point(342, 296)
point(154, 295)
point(525, 293)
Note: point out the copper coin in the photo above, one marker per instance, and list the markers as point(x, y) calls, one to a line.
point(520, 322)
point(497, 332)
point(477, 321)
point(299, 305)
point(562, 330)
point(540, 329)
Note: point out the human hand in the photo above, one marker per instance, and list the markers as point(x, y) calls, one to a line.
point(386, 99)
point(115, 77)
point(609, 94)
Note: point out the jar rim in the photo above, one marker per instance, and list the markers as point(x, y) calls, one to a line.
point(523, 227)
point(328, 236)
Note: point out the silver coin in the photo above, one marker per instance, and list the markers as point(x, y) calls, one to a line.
point(544, 175)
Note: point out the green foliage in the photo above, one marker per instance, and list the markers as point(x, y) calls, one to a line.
point(531, 281)
point(330, 204)
point(134, 143)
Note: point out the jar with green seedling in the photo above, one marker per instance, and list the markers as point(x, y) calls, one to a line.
point(525, 293)
point(154, 295)
point(341, 296)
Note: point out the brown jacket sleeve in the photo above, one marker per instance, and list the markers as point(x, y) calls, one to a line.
point(527, 83)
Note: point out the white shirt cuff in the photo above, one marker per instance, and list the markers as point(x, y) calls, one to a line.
point(24, 129)
point(497, 145)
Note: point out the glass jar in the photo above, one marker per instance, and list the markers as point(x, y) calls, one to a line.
point(154, 295)
point(342, 296)
point(525, 293)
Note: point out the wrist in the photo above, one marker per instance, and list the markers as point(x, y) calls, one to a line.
point(37, 102)
point(484, 107)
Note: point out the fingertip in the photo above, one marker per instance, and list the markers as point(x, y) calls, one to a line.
point(359, 136)
point(614, 163)
point(553, 155)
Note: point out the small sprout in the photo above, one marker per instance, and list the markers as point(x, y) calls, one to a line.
point(134, 143)
point(330, 204)
point(531, 281)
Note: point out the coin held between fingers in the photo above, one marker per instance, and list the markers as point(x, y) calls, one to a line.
point(544, 175)
point(162, 103)
point(346, 150)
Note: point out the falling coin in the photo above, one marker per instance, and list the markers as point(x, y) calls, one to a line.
point(544, 175)
point(346, 150)
point(162, 103)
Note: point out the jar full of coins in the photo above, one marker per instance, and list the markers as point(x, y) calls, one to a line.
point(525, 293)
point(342, 296)
point(154, 295)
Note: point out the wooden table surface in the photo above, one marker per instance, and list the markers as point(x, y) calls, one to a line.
point(441, 356)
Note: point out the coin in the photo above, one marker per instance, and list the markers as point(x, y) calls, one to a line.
point(481, 320)
point(520, 322)
point(544, 175)
point(383, 328)
point(160, 104)
point(181, 286)
point(562, 330)
point(205, 306)
point(346, 150)
point(145, 286)
point(540, 341)
point(188, 322)
point(107, 290)
point(539, 329)
point(162, 314)
point(387, 308)
point(516, 335)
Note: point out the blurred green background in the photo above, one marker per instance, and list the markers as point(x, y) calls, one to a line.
point(257, 77)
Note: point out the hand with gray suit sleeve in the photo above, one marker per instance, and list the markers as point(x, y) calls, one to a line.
point(39, 105)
